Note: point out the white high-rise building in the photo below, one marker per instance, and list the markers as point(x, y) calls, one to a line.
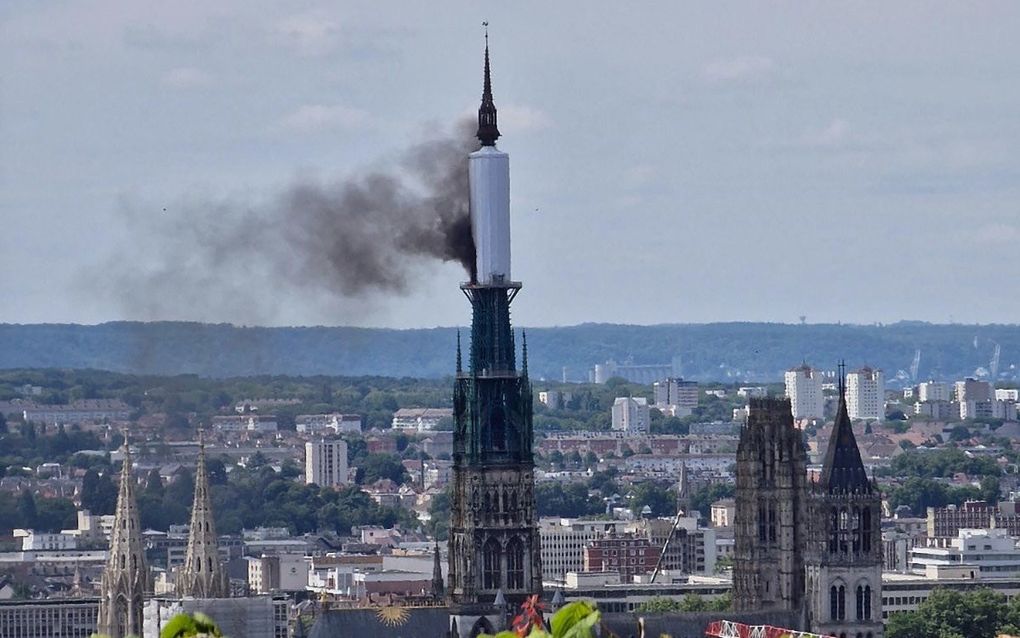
point(326, 463)
point(804, 389)
point(934, 391)
point(865, 394)
point(631, 415)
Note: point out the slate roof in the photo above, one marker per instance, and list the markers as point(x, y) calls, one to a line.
point(843, 471)
point(392, 622)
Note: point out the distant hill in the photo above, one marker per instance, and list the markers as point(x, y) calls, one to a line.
point(719, 351)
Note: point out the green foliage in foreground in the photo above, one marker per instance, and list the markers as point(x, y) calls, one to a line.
point(185, 626)
point(578, 619)
point(981, 613)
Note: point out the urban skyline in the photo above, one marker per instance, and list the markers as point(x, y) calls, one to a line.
point(855, 503)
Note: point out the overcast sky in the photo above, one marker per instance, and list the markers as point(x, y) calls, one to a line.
point(693, 162)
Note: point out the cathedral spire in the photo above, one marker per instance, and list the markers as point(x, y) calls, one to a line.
point(438, 587)
point(843, 469)
point(126, 577)
point(488, 132)
point(202, 575)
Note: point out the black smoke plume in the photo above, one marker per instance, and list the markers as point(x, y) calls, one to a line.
point(373, 232)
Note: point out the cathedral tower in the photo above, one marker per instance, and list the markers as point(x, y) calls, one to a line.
point(844, 553)
point(771, 493)
point(494, 544)
point(202, 575)
point(125, 580)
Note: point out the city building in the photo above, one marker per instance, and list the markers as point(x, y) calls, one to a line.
point(937, 410)
point(555, 399)
point(691, 550)
point(275, 573)
point(627, 554)
point(248, 422)
point(631, 415)
point(79, 412)
point(51, 618)
point(804, 390)
point(991, 409)
point(865, 394)
point(421, 419)
point(635, 373)
point(974, 553)
point(126, 580)
point(32, 541)
point(1007, 394)
point(494, 546)
point(844, 549)
point(338, 423)
point(946, 522)
point(674, 391)
point(770, 521)
point(934, 391)
point(723, 512)
point(973, 390)
point(563, 541)
point(326, 463)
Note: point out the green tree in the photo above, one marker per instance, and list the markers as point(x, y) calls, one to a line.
point(671, 425)
point(693, 603)
point(658, 605)
point(26, 509)
point(974, 614)
point(55, 514)
point(439, 515)
point(701, 500)
point(217, 471)
point(381, 466)
point(654, 496)
point(570, 499)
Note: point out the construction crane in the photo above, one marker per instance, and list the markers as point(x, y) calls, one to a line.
point(730, 629)
point(682, 497)
point(915, 365)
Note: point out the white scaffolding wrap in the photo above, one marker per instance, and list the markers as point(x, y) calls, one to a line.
point(489, 175)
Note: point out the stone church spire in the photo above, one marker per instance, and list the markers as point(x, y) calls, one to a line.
point(438, 587)
point(125, 580)
point(842, 469)
point(494, 545)
point(202, 575)
point(843, 563)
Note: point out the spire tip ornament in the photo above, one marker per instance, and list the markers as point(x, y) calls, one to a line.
point(488, 131)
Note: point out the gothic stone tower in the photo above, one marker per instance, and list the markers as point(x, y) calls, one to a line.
point(844, 553)
point(494, 542)
point(768, 568)
point(126, 578)
point(202, 575)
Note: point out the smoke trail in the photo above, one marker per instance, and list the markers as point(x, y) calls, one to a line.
point(370, 233)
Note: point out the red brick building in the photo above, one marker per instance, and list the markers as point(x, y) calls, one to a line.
point(628, 555)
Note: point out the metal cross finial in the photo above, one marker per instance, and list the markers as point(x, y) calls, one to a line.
point(486, 25)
